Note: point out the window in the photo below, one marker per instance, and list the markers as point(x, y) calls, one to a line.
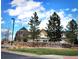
point(44, 40)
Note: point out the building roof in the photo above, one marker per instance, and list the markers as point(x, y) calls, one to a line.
point(23, 28)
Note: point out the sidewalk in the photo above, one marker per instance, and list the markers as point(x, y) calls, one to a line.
point(41, 56)
point(70, 57)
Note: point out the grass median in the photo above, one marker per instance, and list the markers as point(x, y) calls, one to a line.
point(48, 51)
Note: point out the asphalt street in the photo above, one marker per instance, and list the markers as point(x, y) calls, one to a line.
point(6, 55)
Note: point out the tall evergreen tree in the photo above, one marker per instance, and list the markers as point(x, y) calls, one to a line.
point(54, 28)
point(71, 33)
point(34, 23)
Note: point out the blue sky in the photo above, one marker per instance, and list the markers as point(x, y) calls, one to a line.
point(22, 10)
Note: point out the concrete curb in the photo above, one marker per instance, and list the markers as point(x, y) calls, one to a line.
point(34, 55)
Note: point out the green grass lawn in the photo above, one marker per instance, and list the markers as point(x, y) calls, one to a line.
point(48, 51)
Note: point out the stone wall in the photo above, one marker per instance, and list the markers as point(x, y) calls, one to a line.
point(41, 44)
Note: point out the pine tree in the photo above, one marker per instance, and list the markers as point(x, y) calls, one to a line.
point(34, 23)
point(54, 32)
point(71, 33)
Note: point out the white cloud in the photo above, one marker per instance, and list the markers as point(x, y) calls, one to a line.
point(45, 17)
point(74, 9)
point(10, 37)
point(21, 23)
point(24, 8)
point(17, 2)
point(43, 23)
point(6, 32)
point(67, 9)
point(14, 12)
point(2, 21)
point(3, 30)
point(64, 18)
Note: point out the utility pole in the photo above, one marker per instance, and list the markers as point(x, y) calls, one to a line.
point(13, 27)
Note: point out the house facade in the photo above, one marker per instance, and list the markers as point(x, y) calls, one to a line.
point(24, 35)
point(21, 35)
point(43, 36)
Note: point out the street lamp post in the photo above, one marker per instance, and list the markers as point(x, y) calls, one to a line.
point(13, 27)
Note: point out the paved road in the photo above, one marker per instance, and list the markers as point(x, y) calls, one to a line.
point(6, 55)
